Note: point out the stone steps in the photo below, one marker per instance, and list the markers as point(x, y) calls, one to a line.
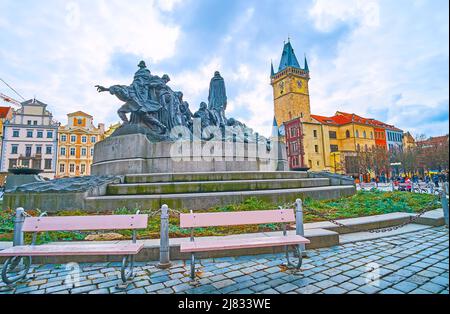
point(214, 176)
point(201, 201)
point(213, 186)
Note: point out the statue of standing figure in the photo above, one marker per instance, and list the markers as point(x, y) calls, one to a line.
point(217, 99)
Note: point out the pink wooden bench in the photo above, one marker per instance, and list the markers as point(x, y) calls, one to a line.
point(23, 254)
point(283, 216)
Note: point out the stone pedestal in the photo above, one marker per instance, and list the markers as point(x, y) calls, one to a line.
point(135, 154)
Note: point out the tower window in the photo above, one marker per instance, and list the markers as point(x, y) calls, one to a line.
point(315, 133)
point(347, 134)
point(316, 148)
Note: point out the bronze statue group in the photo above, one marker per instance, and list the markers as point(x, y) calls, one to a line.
point(152, 104)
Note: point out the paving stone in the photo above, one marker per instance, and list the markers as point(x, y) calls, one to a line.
point(284, 288)
point(260, 287)
point(84, 289)
point(368, 289)
point(325, 284)
point(99, 291)
point(311, 289)
point(223, 283)
point(405, 286)
point(154, 287)
point(334, 290)
point(432, 287)
point(137, 291)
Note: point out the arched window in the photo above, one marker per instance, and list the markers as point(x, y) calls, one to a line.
point(364, 134)
point(357, 133)
point(347, 134)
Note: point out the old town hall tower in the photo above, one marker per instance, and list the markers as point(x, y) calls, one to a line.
point(290, 88)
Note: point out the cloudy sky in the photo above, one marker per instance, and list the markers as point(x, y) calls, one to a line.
point(382, 59)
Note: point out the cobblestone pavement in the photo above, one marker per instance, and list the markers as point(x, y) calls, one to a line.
point(410, 263)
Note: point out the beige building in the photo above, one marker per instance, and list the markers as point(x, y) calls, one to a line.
point(76, 145)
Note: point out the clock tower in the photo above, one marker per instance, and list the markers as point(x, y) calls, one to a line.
point(290, 88)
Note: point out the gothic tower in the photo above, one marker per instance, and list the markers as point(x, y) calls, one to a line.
point(290, 88)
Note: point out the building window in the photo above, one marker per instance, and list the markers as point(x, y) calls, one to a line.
point(14, 149)
point(93, 139)
point(47, 164)
point(29, 133)
point(92, 152)
point(34, 122)
point(347, 134)
point(357, 133)
point(40, 134)
point(28, 151)
point(48, 150)
point(62, 168)
point(71, 168)
point(73, 138)
point(83, 168)
point(371, 135)
point(38, 150)
point(315, 133)
point(364, 134)
point(15, 133)
point(29, 122)
point(334, 148)
point(63, 138)
point(318, 163)
point(83, 152)
point(12, 163)
point(36, 163)
point(84, 139)
point(80, 121)
point(63, 151)
point(26, 163)
point(49, 134)
point(316, 148)
point(72, 151)
point(333, 134)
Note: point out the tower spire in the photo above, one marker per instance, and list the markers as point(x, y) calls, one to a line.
point(272, 72)
point(306, 68)
point(288, 58)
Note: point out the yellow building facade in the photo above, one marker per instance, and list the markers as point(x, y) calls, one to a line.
point(76, 142)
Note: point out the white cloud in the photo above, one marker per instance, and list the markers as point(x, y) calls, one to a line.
point(372, 64)
point(65, 51)
point(326, 14)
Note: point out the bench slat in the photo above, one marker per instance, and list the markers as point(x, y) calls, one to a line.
point(204, 246)
point(80, 223)
point(74, 250)
point(195, 220)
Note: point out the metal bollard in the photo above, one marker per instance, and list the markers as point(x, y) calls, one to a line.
point(18, 224)
point(299, 229)
point(164, 250)
point(444, 202)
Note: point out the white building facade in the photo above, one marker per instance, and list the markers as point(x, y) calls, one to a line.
point(30, 139)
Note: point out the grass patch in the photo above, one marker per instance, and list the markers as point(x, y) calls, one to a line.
point(363, 203)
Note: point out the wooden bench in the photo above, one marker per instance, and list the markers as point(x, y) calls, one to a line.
point(21, 255)
point(283, 216)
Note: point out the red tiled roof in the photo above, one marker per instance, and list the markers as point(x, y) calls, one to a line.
point(4, 111)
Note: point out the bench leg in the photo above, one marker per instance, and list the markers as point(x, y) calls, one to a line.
point(18, 266)
point(192, 266)
point(297, 253)
point(126, 270)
